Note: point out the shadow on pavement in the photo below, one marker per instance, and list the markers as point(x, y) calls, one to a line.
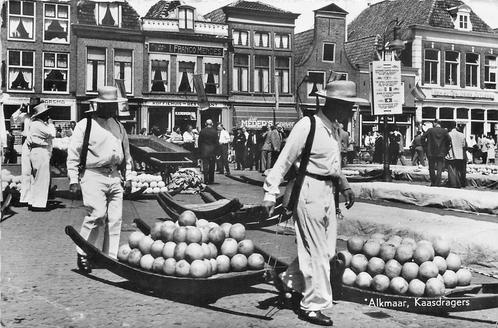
point(204, 303)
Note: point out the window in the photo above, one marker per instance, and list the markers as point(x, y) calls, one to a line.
point(55, 72)
point(108, 13)
point(428, 113)
point(446, 113)
point(21, 20)
point(95, 69)
point(282, 70)
point(317, 78)
point(471, 70)
point(21, 70)
point(261, 74)
point(451, 60)
point(261, 39)
point(490, 72)
point(123, 68)
point(186, 18)
point(185, 75)
point(462, 113)
point(159, 71)
point(281, 41)
point(431, 64)
point(240, 72)
point(328, 53)
point(56, 23)
point(240, 38)
point(212, 75)
point(463, 21)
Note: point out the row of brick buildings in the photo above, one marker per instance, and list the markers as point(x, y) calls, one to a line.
point(253, 68)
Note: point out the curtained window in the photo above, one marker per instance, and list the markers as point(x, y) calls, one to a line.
point(240, 37)
point(240, 72)
point(55, 72)
point(471, 70)
point(261, 39)
point(262, 74)
point(212, 77)
point(21, 70)
point(451, 60)
point(21, 20)
point(317, 78)
point(95, 69)
point(431, 64)
point(56, 23)
point(159, 71)
point(185, 76)
point(123, 68)
point(281, 41)
point(282, 70)
point(108, 14)
point(490, 72)
point(186, 18)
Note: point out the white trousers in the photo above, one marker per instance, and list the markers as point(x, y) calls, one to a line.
point(25, 173)
point(316, 233)
point(40, 177)
point(103, 196)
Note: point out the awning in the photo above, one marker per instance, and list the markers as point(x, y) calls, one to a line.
point(253, 117)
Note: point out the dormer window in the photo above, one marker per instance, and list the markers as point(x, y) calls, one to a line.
point(108, 14)
point(461, 17)
point(186, 18)
point(463, 21)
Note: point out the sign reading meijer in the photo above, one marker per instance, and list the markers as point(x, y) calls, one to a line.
point(185, 49)
point(387, 93)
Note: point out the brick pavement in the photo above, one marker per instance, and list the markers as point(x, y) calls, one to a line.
point(40, 289)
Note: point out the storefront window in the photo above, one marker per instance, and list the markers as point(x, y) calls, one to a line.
point(477, 114)
point(471, 70)
point(462, 114)
point(240, 37)
point(95, 69)
point(451, 61)
point(493, 115)
point(21, 20)
point(317, 78)
point(490, 72)
point(240, 72)
point(212, 77)
point(123, 68)
point(21, 70)
point(281, 41)
point(446, 113)
point(56, 23)
point(428, 113)
point(108, 13)
point(55, 72)
point(282, 69)
point(262, 74)
point(261, 39)
point(159, 71)
point(431, 64)
point(186, 69)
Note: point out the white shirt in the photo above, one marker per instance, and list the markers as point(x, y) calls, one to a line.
point(24, 118)
point(105, 146)
point(41, 133)
point(325, 158)
point(224, 137)
point(188, 137)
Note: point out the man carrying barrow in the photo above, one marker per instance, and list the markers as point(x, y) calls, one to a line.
point(314, 209)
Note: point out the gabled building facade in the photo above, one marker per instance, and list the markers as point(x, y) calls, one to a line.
point(180, 47)
point(449, 51)
point(38, 47)
point(260, 68)
point(109, 51)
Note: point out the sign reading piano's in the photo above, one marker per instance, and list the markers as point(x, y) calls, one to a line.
point(185, 49)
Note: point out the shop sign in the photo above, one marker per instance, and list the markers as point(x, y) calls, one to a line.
point(462, 94)
point(181, 104)
point(58, 101)
point(254, 123)
point(185, 49)
point(387, 90)
point(189, 114)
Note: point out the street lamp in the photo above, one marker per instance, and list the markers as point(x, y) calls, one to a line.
point(395, 47)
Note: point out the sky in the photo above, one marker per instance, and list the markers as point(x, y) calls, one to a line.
point(486, 9)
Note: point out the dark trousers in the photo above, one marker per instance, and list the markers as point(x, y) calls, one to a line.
point(457, 177)
point(208, 166)
point(222, 163)
point(436, 165)
point(418, 156)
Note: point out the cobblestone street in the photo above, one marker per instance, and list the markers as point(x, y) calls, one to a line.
point(40, 287)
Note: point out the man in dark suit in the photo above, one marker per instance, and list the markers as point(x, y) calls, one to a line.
point(208, 145)
point(437, 142)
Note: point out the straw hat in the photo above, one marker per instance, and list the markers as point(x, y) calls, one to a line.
point(39, 109)
point(107, 94)
point(341, 90)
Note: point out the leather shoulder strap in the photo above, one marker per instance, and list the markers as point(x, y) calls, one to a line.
point(84, 148)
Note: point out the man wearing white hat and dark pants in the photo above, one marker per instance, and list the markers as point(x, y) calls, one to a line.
point(39, 140)
point(97, 171)
point(314, 210)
